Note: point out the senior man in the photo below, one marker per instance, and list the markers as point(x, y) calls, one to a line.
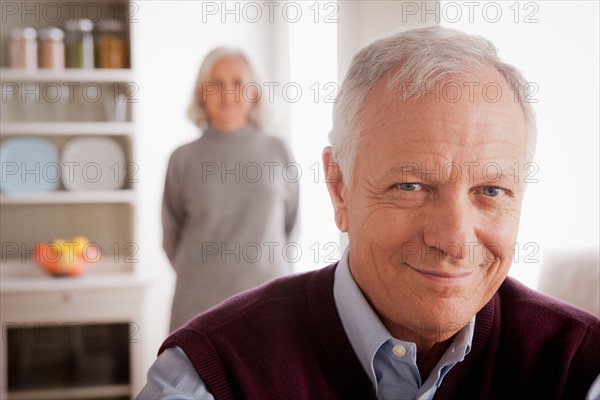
point(430, 132)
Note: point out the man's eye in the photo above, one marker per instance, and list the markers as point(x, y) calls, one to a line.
point(409, 187)
point(492, 191)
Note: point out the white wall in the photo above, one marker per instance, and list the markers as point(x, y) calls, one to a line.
point(363, 21)
point(313, 67)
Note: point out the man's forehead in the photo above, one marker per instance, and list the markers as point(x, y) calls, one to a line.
point(417, 141)
point(481, 101)
point(478, 127)
point(444, 142)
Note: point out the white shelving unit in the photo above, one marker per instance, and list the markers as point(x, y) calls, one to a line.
point(126, 196)
point(67, 128)
point(111, 290)
point(68, 75)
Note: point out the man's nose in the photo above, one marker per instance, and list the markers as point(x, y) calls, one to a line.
point(450, 226)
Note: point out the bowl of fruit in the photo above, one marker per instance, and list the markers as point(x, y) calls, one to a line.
point(63, 257)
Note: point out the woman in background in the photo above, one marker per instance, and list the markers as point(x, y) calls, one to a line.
point(231, 199)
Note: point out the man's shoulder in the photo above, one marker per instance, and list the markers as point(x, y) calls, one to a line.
point(274, 301)
point(539, 343)
point(536, 307)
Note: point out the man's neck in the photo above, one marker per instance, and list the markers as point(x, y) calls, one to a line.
point(427, 359)
point(429, 351)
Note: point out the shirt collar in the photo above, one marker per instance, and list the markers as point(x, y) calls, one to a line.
point(363, 327)
point(365, 330)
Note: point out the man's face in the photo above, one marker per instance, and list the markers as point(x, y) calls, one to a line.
point(433, 212)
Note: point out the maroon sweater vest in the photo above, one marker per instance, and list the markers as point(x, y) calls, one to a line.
point(285, 340)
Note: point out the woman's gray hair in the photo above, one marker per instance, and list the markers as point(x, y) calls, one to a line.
point(196, 111)
point(425, 57)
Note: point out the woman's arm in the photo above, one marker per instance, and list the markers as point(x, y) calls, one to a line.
point(172, 209)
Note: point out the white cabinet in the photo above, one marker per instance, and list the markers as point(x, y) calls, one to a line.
point(61, 106)
point(54, 319)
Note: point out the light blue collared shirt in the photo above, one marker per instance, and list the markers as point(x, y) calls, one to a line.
point(172, 376)
point(394, 374)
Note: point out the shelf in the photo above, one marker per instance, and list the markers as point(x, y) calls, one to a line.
point(26, 276)
point(69, 197)
point(93, 392)
point(67, 128)
point(67, 75)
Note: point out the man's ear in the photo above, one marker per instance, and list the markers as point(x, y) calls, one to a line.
point(336, 188)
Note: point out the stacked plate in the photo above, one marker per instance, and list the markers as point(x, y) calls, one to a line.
point(29, 165)
point(93, 163)
point(32, 165)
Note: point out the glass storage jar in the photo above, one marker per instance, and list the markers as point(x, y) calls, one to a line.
point(80, 43)
point(51, 48)
point(23, 48)
point(110, 45)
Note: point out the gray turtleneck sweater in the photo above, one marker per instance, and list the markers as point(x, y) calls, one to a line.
point(229, 208)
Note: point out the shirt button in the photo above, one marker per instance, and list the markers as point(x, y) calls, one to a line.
point(399, 350)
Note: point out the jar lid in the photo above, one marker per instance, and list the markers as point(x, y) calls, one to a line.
point(109, 25)
point(23, 33)
point(83, 25)
point(54, 34)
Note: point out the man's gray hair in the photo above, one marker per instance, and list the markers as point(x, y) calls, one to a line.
point(415, 60)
